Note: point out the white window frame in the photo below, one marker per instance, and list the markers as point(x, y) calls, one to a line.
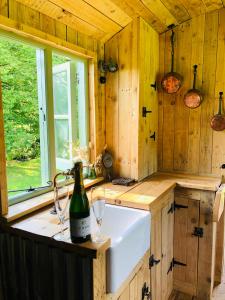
point(46, 107)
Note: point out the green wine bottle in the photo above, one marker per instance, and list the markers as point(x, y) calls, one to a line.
point(80, 230)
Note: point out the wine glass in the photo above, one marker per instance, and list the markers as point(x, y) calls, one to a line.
point(61, 207)
point(98, 206)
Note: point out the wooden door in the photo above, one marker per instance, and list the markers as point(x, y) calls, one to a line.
point(186, 245)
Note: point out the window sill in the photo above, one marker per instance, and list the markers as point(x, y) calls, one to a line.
point(24, 208)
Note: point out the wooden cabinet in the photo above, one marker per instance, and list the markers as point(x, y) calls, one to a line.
point(162, 226)
point(130, 133)
point(137, 286)
point(194, 245)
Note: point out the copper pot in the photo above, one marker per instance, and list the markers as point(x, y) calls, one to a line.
point(193, 97)
point(218, 121)
point(172, 81)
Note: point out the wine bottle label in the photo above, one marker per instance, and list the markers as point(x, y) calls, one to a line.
point(80, 227)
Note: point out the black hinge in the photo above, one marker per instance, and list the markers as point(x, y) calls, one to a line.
point(198, 231)
point(153, 261)
point(145, 292)
point(174, 263)
point(175, 206)
point(145, 111)
point(152, 136)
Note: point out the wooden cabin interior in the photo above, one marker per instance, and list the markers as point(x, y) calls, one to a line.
point(111, 82)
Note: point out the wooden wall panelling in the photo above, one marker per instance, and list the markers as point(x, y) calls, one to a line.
point(218, 154)
point(168, 110)
point(190, 145)
point(151, 68)
point(125, 135)
point(197, 42)
point(186, 245)
point(144, 100)
point(160, 100)
point(134, 101)
point(3, 182)
point(183, 58)
point(122, 101)
point(112, 105)
point(209, 76)
point(4, 7)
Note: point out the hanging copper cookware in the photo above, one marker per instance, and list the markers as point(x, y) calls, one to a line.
point(172, 81)
point(193, 97)
point(218, 121)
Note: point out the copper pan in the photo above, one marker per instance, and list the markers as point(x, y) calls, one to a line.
point(218, 121)
point(172, 81)
point(193, 97)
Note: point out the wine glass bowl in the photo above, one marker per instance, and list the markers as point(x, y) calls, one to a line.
point(61, 206)
point(98, 206)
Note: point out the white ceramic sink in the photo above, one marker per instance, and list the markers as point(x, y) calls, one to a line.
point(129, 230)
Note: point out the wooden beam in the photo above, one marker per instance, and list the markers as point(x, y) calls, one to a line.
point(52, 10)
point(3, 182)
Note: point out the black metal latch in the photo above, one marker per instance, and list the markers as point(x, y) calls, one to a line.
point(153, 261)
point(152, 136)
point(154, 86)
point(175, 206)
point(145, 292)
point(198, 231)
point(145, 111)
point(174, 263)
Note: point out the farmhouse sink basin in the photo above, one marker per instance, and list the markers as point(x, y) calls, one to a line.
point(129, 230)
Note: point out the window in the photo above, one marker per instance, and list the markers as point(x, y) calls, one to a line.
point(45, 106)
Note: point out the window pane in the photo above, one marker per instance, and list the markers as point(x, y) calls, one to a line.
point(62, 138)
point(21, 114)
point(70, 110)
point(60, 87)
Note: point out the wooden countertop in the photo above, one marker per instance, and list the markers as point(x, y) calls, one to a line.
point(144, 194)
point(141, 195)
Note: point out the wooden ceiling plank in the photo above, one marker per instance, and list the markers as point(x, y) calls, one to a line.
point(63, 16)
point(112, 11)
point(135, 8)
point(177, 9)
point(194, 7)
point(213, 5)
point(160, 10)
point(86, 12)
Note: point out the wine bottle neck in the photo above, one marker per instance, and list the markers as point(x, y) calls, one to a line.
point(79, 181)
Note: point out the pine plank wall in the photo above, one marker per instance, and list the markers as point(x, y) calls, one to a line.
point(185, 140)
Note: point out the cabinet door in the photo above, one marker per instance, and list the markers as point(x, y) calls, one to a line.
point(186, 245)
point(167, 250)
point(133, 290)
